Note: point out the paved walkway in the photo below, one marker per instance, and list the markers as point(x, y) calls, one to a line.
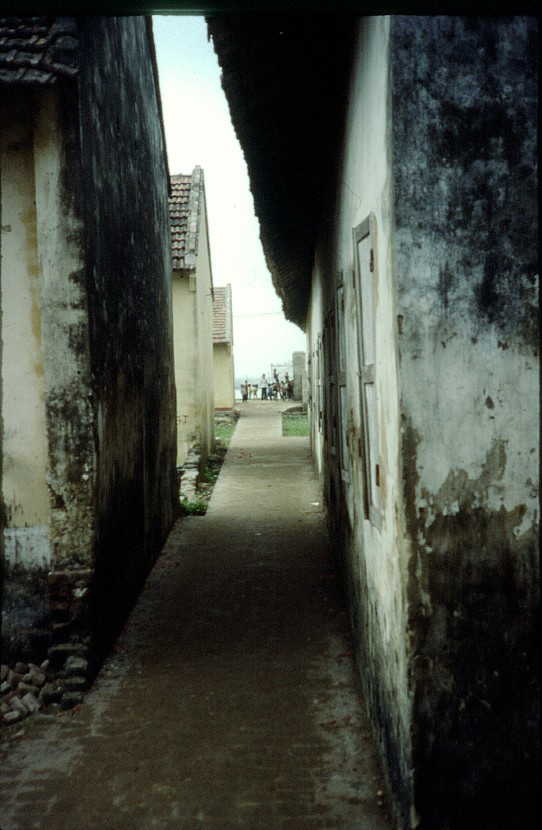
point(230, 701)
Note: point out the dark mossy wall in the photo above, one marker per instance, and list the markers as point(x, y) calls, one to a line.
point(124, 201)
point(464, 131)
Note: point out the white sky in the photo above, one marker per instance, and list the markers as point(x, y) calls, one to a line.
point(199, 131)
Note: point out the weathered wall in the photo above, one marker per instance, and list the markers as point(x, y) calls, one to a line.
point(2, 504)
point(464, 141)
point(48, 406)
point(374, 554)
point(185, 352)
point(204, 286)
point(24, 448)
point(223, 370)
point(314, 328)
point(129, 289)
point(442, 579)
point(299, 374)
point(64, 330)
point(192, 327)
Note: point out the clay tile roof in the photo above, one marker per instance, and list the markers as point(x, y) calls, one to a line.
point(38, 50)
point(222, 315)
point(185, 206)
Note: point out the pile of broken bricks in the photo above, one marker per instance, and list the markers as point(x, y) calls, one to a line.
point(26, 687)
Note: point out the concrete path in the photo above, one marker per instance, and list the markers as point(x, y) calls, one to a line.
point(230, 701)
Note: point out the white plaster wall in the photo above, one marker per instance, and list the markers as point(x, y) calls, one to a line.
point(314, 329)
point(193, 351)
point(205, 332)
point(25, 448)
point(71, 460)
point(377, 556)
point(185, 357)
point(224, 394)
point(366, 188)
point(485, 396)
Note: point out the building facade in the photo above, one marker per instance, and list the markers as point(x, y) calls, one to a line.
point(223, 363)
point(412, 265)
point(87, 370)
point(192, 285)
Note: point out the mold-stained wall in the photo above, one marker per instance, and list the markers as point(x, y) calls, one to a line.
point(374, 552)
point(49, 441)
point(86, 279)
point(24, 447)
point(64, 330)
point(128, 262)
point(427, 448)
point(464, 131)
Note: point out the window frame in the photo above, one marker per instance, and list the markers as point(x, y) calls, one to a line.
point(365, 292)
point(342, 390)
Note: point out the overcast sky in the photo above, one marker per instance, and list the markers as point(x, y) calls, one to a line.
point(199, 131)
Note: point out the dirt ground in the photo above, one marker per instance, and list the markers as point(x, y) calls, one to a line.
point(231, 699)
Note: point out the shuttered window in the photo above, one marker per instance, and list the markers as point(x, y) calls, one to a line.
point(365, 275)
point(341, 383)
point(330, 398)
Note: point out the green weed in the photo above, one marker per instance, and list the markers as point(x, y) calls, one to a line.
point(198, 507)
point(295, 424)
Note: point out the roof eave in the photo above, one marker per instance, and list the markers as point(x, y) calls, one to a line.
point(285, 79)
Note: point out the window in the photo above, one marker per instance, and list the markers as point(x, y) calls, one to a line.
point(341, 383)
point(365, 274)
point(330, 368)
point(319, 407)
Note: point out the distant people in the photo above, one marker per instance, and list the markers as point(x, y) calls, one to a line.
point(255, 391)
point(244, 391)
point(263, 387)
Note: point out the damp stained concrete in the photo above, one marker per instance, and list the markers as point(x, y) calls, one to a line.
point(230, 700)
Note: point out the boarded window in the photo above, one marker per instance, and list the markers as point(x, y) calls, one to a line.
point(365, 274)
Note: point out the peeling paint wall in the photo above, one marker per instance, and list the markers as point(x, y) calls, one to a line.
point(124, 192)
point(24, 447)
point(373, 550)
point(50, 441)
point(465, 95)
point(85, 169)
point(439, 163)
point(65, 331)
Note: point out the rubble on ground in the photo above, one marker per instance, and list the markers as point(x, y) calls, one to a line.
point(25, 688)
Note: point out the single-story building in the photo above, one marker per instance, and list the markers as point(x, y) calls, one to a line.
point(393, 166)
point(192, 286)
point(89, 477)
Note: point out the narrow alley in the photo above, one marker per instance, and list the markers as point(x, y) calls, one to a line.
point(230, 699)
